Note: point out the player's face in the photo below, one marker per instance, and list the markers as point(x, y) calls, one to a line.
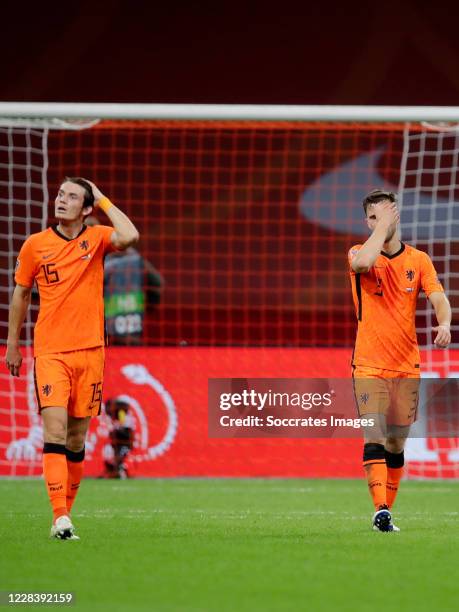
point(68, 205)
point(373, 215)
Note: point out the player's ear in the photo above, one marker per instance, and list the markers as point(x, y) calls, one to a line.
point(87, 210)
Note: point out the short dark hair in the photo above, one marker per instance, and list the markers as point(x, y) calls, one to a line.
point(378, 195)
point(88, 194)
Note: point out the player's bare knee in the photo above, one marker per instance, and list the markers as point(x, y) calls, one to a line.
point(76, 433)
point(374, 430)
point(54, 425)
point(74, 446)
point(396, 438)
point(395, 444)
point(55, 433)
point(75, 440)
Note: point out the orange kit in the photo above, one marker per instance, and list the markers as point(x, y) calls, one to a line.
point(69, 333)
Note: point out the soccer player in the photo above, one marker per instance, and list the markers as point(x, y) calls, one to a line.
point(387, 276)
point(66, 263)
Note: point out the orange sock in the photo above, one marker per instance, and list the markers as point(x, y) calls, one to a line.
point(75, 462)
point(55, 475)
point(374, 463)
point(395, 462)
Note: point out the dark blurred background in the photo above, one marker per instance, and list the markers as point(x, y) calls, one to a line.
point(228, 52)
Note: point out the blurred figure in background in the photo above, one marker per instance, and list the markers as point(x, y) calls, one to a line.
point(121, 438)
point(131, 283)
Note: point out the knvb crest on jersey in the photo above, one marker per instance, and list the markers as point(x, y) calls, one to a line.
point(46, 390)
point(84, 245)
point(410, 274)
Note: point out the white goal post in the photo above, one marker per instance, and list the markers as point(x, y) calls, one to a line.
point(56, 111)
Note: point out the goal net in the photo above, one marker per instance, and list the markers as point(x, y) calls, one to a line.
point(247, 224)
point(429, 196)
point(23, 201)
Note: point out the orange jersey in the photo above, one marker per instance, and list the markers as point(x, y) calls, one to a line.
point(69, 274)
point(385, 304)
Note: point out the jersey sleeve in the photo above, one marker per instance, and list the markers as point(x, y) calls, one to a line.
point(352, 253)
point(26, 266)
point(106, 232)
point(429, 277)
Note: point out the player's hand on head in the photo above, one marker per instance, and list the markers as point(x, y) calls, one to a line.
point(387, 212)
point(13, 360)
point(443, 337)
point(97, 193)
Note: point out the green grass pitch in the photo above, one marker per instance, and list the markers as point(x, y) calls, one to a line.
point(235, 545)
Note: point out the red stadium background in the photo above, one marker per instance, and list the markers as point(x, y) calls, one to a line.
point(166, 389)
point(221, 216)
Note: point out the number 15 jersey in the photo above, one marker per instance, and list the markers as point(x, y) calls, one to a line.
point(69, 274)
point(385, 304)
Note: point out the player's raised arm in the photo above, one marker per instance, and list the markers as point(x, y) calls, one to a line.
point(125, 234)
point(442, 309)
point(381, 218)
point(18, 310)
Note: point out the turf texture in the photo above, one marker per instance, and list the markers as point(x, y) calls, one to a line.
point(234, 545)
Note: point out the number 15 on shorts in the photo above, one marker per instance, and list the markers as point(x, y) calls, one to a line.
point(96, 392)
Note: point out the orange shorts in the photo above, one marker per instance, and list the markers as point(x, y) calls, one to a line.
point(393, 394)
point(71, 380)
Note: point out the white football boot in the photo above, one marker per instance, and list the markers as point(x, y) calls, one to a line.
point(62, 529)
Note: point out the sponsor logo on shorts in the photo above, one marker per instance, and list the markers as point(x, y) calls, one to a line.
point(84, 245)
point(46, 390)
point(364, 397)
